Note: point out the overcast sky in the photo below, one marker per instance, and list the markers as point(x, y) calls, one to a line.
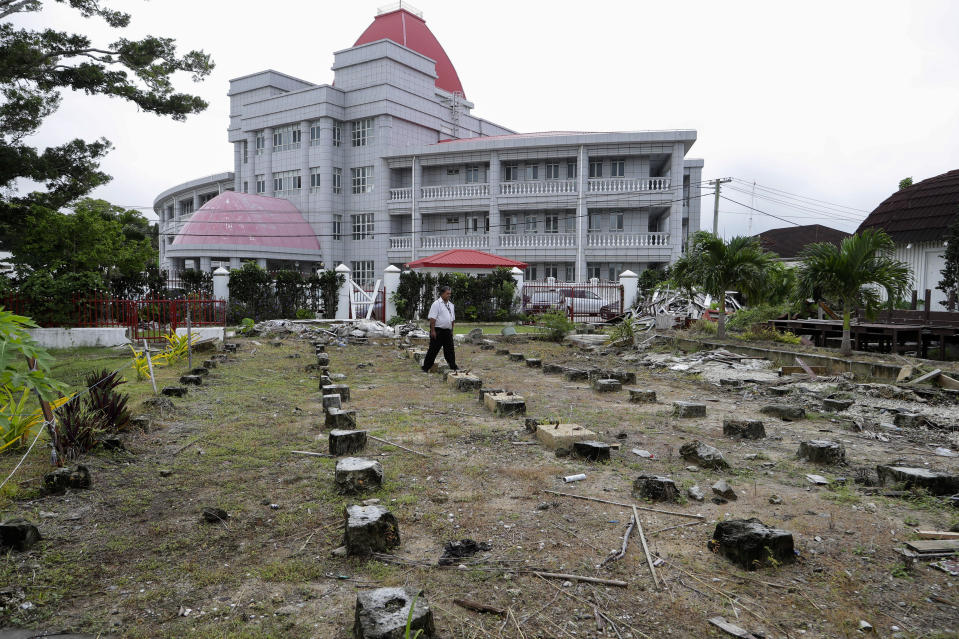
point(835, 101)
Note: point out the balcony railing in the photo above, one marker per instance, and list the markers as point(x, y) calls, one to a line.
point(454, 241)
point(538, 240)
point(627, 185)
point(401, 243)
point(401, 194)
point(452, 191)
point(537, 187)
point(629, 240)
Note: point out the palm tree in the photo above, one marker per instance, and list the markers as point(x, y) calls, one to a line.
point(853, 274)
point(716, 267)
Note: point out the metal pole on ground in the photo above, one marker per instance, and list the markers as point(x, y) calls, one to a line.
point(189, 336)
point(146, 349)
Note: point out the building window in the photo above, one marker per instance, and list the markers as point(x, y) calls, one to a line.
point(362, 226)
point(570, 223)
point(361, 179)
point(594, 223)
point(510, 172)
point(260, 184)
point(486, 225)
point(551, 270)
point(452, 221)
point(617, 168)
point(314, 177)
point(552, 225)
point(529, 225)
point(337, 133)
point(472, 175)
point(530, 274)
point(337, 180)
point(614, 271)
point(206, 197)
point(596, 169)
point(246, 151)
point(295, 137)
point(473, 224)
point(362, 131)
point(617, 222)
point(287, 181)
point(552, 171)
point(532, 171)
point(337, 227)
point(186, 206)
point(570, 170)
point(509, 224)
point(593, 270)
point(363, 273)
point(570, 272)
point(259, 143)
point(286, 138)
point(169, 212)
point(246, 187)
point(315, 133)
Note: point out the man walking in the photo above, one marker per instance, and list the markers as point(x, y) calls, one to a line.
point(442, 317)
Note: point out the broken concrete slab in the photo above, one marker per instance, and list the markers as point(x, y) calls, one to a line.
point(383, 613)
point(505, 404)
point(354, 475)
point(174, 391)
point(909, 420)
point(935, 482)
point(502, 351)
point(575, 375)
point(230, 348)
point(209, 363)
point(695, 493)
point(703, 455)
point(749, 543)
point(641, 396)
point(689, 409)
point(463, 381)
point(607, 385)
point(347, 442)
point(516, 357)
point(556, 436)
point(58, 480)
point(592, 450)
point(532, 362)
point(822, 451)
point(370, 529)
point(836, 405)
point(191, 380)
point(655, 488)
point(724, 490)
point(481, 396)
point(202, 371)
point(744, 428)
point(340, 419)
point(337, 389)
point(322, 359)
point(552, 369)
point(784, 412)
point(331, 401)
point(778, 391)
point(18, 534)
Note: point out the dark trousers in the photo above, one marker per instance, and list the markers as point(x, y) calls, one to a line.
point(444, 338)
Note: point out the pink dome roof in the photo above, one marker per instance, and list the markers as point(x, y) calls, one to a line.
point(403, 27)
point(241, 219)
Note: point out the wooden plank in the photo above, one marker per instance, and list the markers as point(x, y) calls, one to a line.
point(806, 368)
point(794, 370)
point(904, 373)
point(731, 629)
point(948, 382)
point(928, 377)
point(642, 538)
point(934, 545)
point(937, 534)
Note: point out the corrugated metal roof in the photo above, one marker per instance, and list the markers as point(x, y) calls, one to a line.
point(465, 258)
point(919, 213)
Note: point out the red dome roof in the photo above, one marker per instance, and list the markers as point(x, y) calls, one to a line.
point(403, 27)
point(465, 258)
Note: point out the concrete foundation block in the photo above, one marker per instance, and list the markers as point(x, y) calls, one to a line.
point(370, 529)
point(703, 455)
point(555, 436)
point(607, 385)
point(656, 488)
point(505, 404)
point(689, 409)
point(338, 389)
point(331, 401)
point(174, 391)
point(751, 544)
point(322, 359)
point(354, 475)
point(784, 412)
point(209, 363)
point(836, 405)
point(202, 371)
point(532, 362)
point(481, 395)
point(191, 380)
point(516, 357)
point(347, 442)
point(592, 450)
point(640, 396)
point(575, 375)
point(502, 351)
point(935, 482)
point(821, 451)
point(909, 420)
point(463, 382)
point(18, 534)
point(340, 419)
point(552, 369)
point(744, 428)
point(383, 614)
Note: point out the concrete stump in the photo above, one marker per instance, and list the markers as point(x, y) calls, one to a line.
point(778, 391)
point(555, 436)
point(821, 451)
point(230, 348)
point(935, 482)
point(486, 345)
point(575, 375)
point(57, 481)
point(505, 404)
point(322, 359)
point(383, 614)
point(331, 401)
point(724, 490)
point(638, 396)
point(320, 348)
point(607, 385)
point(502, 351)
point(18, 534)
point(836, 405)
point(695, 493)
point(354, 475)
point(655, 488)
point(552, 369)
point(623, 377)
point(784, 412)
point(338, 389)
point(340, 419)
point(531, 423)
point(347, 442)
point(731, 383)
point(191, 380)
point(209, 363)
point(516, 357)
point(202, 371)
point(532, 362)
point(484, 391)
point(703, 455)
point(141, 422)
point(370, 529)
point(909, 420)
point(463, 382)
point(592, 450)
point(744, 428)
point(750, 544)
point(174, 391)
point(689, 409)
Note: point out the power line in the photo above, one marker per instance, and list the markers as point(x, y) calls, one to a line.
point(802, 197)
point(759, 211)
point(824, 214)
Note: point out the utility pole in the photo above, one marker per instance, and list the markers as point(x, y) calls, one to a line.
point(716, 184)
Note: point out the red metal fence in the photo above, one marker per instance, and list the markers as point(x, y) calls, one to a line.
point(581, 301)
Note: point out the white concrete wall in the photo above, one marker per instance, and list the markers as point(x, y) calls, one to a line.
point(204, 332)
point(72, 337)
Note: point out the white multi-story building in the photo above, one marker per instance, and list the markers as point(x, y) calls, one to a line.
point(388, 164)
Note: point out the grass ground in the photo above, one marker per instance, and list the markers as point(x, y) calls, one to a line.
point(131, 556)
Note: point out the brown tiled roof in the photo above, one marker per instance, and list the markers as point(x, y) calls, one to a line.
point(919, 213)
point(790, 241)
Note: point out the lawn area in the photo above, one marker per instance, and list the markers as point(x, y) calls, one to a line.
point(462, 328)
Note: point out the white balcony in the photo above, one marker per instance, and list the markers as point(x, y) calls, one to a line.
point(401, 194)
point(538, 240)
point(627, 240)
point(401, 243)
point(627, 185)
point(454, 191)
point(546, 187)
point(445, 242)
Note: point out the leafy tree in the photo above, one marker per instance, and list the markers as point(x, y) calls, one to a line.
point(949, 284)
point(36, 65)
point(251, 292)
point(329, 283)
point(852, 274)
point(650, 278)
point(715, 266)
point(290, 292)
point(905, 183)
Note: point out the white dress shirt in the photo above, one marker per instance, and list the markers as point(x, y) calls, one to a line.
point(443, 313)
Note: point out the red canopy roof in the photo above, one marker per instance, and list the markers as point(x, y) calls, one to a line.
point(403, 27)
point(465, 258)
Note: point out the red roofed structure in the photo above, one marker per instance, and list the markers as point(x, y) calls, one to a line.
point(410, 30)
point(465, 259)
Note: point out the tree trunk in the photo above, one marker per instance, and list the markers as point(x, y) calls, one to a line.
point(846, 346)
point(721, 320)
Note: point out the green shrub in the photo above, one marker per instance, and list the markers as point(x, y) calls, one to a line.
point(764, 332)
point(745, 318)
point(557, 325)
point(305, 314)
point(623, 333)
point(704, 327)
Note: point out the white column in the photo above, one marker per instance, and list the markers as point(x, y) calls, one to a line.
point(391, 283)
point(582, 210)
point(234, 263)
point(630, 282)
point(416, 220)
point(221, 284)
point(343, 307)
point(518, 277)
point(675, 224)
point(495, 219)
point(268, 160)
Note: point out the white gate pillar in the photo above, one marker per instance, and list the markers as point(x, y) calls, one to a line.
point(391, 284)
point(221, 284)
point(630, 282)
point(518, 277)
point(346, 294)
